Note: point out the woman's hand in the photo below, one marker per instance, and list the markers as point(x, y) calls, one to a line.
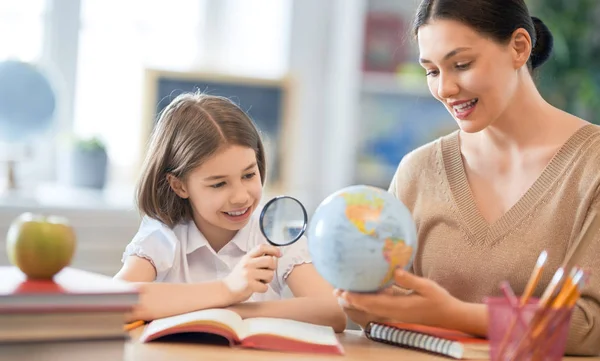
point(253, 273)
point(362, 318)
point(427, 304)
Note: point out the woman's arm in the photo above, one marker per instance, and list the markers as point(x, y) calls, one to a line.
point(159, 300)
point(470, 318)
point(313, 301)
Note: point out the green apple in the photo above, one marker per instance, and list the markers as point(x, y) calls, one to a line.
point(40, 246)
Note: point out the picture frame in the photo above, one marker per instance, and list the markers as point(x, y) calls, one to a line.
point(267, 101)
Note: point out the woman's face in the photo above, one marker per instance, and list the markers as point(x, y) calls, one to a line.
point(472, 75)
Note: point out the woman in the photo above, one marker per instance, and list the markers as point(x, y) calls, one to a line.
point(520, 176)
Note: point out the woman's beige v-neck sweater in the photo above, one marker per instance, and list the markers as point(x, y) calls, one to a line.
point(469, 257)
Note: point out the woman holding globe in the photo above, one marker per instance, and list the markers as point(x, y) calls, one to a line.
point(519, 177)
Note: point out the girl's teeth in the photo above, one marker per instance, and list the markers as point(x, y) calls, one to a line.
point(237, 213)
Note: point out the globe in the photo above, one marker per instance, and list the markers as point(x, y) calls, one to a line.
point(27, 107)
point(358, 236)
point(27, 101)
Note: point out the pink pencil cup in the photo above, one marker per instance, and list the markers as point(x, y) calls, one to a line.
point(508, 326)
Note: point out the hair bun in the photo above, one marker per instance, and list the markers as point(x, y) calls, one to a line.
point(543, 45)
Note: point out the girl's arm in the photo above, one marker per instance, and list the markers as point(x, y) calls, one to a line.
point(167, 299)
point(252, 274)
point(313, 301)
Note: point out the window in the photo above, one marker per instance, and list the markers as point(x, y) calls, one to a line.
point(22, 38)
point(118, 40)
point(256, 34)
point(21, 29)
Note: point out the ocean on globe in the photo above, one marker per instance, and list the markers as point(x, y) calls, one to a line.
point(359, 235)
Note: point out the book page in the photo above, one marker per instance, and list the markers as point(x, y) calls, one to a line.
point(213, 316)
point(295, 330)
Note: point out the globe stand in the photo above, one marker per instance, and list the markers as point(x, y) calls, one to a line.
point(11, 182)
point(9, 191)
point(13, 153)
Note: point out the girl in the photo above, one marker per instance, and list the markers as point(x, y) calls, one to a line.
point(199, 245)
point(519, 176)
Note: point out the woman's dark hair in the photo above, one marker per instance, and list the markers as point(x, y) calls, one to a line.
point(497, 19)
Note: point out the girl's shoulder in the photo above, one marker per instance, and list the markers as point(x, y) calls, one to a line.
point(151, 228)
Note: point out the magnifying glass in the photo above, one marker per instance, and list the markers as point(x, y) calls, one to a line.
point(283, 220)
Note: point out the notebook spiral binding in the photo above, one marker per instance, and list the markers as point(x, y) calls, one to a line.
point(397, 337)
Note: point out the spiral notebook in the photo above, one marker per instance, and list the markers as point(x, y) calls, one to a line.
point(435, 340)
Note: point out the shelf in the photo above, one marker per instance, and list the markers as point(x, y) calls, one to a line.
point(55, 196)
point(392, 84)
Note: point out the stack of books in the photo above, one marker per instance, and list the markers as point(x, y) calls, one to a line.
point(64, 318)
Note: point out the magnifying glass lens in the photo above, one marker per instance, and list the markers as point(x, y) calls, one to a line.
point(283, 220)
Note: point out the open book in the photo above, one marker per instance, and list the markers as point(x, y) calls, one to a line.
point(261, 333)
point(441, 341)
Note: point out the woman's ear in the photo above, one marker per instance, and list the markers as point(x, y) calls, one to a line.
point(520, 46)
point(177, 186)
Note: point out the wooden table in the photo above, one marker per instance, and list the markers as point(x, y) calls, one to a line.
point(356, 346)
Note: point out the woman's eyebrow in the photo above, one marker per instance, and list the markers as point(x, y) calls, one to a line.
point(447, 56)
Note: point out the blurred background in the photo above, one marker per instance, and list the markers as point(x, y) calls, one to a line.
point(333, 85)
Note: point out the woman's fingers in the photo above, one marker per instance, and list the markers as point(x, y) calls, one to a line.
point(371, 303)
point(409, 281)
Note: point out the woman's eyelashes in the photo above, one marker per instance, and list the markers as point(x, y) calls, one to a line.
point(462, 66)
point(431, 73)
point(222, 184)
point(457, 66)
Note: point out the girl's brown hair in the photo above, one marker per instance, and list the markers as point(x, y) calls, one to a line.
point(192, 128)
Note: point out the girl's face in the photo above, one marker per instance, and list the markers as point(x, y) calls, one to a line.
point(224, 190)
point(473, 76)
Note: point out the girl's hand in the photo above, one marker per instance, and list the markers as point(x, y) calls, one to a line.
point(253, 273)
point(427, 304)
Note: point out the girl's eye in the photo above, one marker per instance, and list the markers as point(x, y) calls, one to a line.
point(463, 66)
point(218, 185)
point(250, 175)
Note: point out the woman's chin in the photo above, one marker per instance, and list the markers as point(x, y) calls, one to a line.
point(471, 126)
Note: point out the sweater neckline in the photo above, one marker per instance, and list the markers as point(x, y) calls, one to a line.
point(460, 189)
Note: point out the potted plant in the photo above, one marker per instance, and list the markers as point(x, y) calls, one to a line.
point(88, 163)
point(571, 77)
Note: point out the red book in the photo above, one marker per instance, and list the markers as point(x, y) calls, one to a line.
point(70, 290)
point(259, 333)
point(384, 42)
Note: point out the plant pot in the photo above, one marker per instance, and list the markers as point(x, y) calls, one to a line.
point(88, 168)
